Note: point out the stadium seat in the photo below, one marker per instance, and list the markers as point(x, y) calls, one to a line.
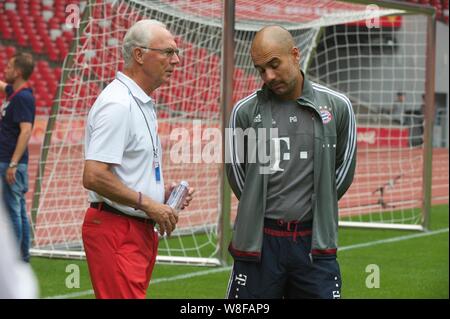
point(10, 51)
point(40, 26)
point(7, 33)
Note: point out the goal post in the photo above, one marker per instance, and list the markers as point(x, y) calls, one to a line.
point(401, 176)
point(226, 99)
point(428, 114)
point(68, 62)
point(392, 186)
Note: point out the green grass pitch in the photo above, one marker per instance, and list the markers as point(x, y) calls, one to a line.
point(411, 265)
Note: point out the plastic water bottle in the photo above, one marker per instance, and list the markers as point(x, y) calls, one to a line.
point(178, 196)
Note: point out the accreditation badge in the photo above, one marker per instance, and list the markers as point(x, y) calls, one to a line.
point(157, 170)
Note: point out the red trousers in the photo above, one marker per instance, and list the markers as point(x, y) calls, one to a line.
point(120, 253)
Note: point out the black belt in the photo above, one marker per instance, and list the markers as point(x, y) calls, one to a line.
point(278, 224)
point(107, 208)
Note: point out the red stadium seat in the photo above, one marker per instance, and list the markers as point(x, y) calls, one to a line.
point(30, 29)
point(52, 54)
point(7, 33)
point(10, 51)
point(57, 72)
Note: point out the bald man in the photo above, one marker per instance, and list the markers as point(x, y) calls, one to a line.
point(284, 241)
point(123, 170)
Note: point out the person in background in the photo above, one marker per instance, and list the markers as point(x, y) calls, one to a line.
point(398, 108)
point(16, 123)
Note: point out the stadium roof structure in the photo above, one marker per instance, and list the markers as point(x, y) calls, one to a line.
point(293, 14)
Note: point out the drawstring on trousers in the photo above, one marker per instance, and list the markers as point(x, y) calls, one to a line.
point(294, 234)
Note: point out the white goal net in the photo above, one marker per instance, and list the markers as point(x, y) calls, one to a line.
point(369, 65)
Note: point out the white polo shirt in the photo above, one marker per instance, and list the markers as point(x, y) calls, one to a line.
point(117, 133)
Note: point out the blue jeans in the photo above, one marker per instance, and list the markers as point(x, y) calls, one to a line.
point(14, 199)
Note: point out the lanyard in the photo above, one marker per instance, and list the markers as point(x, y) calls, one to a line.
point(22, 87)
point(155, 149)
point(5, 104)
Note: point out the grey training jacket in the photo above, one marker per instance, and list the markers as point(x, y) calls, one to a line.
point(334, 166)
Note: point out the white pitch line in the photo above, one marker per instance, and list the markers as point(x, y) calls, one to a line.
point(153, 282)
point(221, 269)
point(72, 295)
point(393, 239)
point(191, 275)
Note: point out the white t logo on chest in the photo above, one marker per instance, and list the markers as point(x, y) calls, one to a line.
point(277, 153)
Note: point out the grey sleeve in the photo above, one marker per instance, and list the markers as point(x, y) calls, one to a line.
point(345, 148)
point(235, 160)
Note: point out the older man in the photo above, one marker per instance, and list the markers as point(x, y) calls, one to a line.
point(123, 168)
point(285, 236)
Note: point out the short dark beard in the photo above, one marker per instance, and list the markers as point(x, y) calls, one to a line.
point(289, 92)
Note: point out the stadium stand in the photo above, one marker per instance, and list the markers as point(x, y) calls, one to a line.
point(40, 27)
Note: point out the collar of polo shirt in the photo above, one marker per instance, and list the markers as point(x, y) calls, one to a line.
point(135, 89)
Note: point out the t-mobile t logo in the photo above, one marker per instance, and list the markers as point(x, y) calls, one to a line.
point(336, 294)
point(241, 279)
point(277, 153)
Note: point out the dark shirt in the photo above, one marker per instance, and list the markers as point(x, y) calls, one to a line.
point(18, 109)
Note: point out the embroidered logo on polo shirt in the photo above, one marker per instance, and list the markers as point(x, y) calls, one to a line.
point(326, 116)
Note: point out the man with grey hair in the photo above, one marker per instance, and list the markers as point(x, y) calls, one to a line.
point(123, 170)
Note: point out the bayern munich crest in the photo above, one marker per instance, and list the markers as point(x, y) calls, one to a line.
point(326, 116)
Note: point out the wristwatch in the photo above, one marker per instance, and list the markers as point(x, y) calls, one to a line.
point(12, 165)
